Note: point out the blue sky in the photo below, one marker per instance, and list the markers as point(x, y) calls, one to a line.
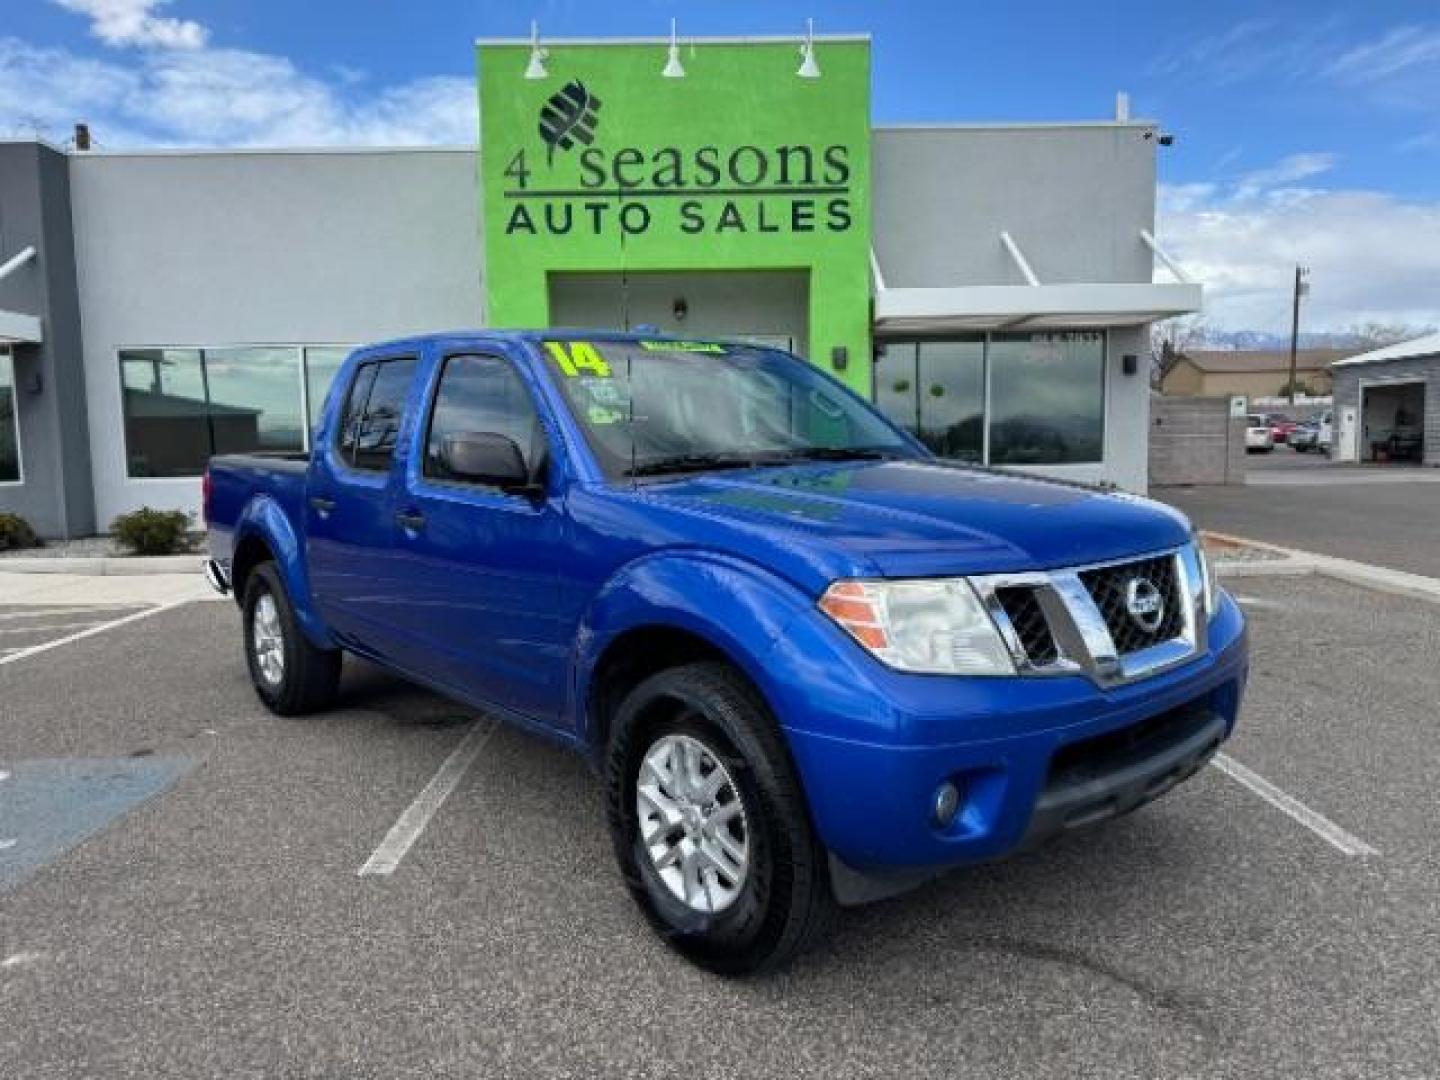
point(1304, 131)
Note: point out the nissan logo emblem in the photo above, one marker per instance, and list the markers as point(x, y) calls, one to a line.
point(1144, 604)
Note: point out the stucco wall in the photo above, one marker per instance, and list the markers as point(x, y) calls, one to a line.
point(1074, 198)
point(262, 247)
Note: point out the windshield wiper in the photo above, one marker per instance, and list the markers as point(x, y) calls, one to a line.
point(838, 453)
point(677, 463)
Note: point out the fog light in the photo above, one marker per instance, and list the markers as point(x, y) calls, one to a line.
point(945, 805)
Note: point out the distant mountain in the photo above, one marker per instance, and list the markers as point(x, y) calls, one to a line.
point(1359, 338)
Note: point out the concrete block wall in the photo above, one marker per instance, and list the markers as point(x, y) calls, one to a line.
point(1194, 440)
point(1348, 380)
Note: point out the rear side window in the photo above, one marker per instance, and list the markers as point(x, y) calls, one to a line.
point(481, 394)
point(349, 430)
point(374, 413)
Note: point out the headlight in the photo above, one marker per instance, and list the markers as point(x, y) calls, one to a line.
point(1210, 588)
point(937, 626)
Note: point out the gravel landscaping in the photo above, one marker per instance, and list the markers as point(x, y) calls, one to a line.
point(88, 547)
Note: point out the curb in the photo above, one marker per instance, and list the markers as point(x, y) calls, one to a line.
point(106, 565)
point(1296, 563)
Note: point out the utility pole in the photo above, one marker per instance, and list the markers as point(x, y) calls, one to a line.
point(1301, 288)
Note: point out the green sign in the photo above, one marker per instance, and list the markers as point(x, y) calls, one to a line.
point(606, 166)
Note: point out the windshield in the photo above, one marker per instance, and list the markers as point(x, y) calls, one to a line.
point(655, 407)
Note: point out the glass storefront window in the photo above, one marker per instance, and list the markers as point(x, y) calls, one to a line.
point(181, 405)
point(951, 387)
point(254, 396)
point(895, 375)
point(322, 364)
point(167, 424)
point(1047, 398)
point(9, 422)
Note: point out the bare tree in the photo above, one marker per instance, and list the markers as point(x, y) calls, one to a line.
point(1169, 339)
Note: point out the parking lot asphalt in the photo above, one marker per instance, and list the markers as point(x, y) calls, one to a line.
point(218, 926)
point(1388, 517)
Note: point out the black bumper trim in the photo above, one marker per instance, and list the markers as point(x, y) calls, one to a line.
point(1143, 774)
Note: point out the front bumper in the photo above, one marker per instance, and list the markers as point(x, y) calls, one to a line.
point(1032, 757)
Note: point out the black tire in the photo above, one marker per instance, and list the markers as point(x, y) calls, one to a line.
point(785, 902)
point(310, 674)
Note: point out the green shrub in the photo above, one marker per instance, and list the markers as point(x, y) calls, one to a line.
point(15, 532)
point(152, 532)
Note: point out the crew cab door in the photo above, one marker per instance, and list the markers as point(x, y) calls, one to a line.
point(479, 565)
point(350, 504)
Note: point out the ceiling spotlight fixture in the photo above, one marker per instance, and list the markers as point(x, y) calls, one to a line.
point(673, 68)
point(809, 69)
point(535, 69)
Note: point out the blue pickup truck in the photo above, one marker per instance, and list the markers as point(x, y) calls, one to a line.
point(812, 662)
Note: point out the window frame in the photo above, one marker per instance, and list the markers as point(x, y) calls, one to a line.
point(333, 443)
point(377, 360)
point(537, 469)
point(987, 338)
point(308, 441)
point(7, 356)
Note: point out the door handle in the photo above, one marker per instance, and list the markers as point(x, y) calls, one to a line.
point(322, 505)
point(410, 520)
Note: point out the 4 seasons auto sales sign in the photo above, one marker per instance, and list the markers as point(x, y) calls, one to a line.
point(606, 165)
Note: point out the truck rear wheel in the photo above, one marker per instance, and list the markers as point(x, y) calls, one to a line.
point(709, 823)
point(291, 675)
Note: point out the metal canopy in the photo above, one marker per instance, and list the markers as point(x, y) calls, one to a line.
point(1034, 305)
point(1000, 307)
point(17, 329)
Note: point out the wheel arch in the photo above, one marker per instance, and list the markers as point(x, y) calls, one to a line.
point(664, 611)
point(265, 532)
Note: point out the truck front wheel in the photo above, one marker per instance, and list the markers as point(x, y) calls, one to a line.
point(709, 823)
point(291, 675)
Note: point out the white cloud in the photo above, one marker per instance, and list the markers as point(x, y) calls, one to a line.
point(133, 22)
point(1398, 50)
point(1373, 257)
point(222, 97)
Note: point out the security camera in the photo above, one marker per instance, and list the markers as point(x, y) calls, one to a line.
point(1167, 139)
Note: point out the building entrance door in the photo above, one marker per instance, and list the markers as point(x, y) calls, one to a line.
point(768, 307)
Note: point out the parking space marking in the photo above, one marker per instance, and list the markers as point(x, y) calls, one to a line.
point(20, 654)
point(44, 627)
point(43, 610)
point(1256, 602)
point(417, 815)
point(1344, 842)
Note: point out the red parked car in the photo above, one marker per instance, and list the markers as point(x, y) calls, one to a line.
point(1280, 427)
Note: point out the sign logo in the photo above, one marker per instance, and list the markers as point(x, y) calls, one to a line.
point(568, 117)
point(1144, 604)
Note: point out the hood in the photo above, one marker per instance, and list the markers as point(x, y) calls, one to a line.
point(914, 518)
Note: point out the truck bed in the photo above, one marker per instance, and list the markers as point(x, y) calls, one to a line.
point(236, 479)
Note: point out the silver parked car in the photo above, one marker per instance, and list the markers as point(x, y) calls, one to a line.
point(1259, 439)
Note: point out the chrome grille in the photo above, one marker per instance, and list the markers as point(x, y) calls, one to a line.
point(1022, 605)
point(1108, 585)
point(1079, 621)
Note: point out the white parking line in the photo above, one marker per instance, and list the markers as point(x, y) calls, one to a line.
point(39, 611)
point(1321, 826)
point(417, 815)
point(44, 627)
point(21, 654)
point(1256, 602)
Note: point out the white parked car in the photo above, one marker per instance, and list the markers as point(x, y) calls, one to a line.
point(1258, 437)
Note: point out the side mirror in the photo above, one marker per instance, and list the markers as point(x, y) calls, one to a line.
point(483, 457)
